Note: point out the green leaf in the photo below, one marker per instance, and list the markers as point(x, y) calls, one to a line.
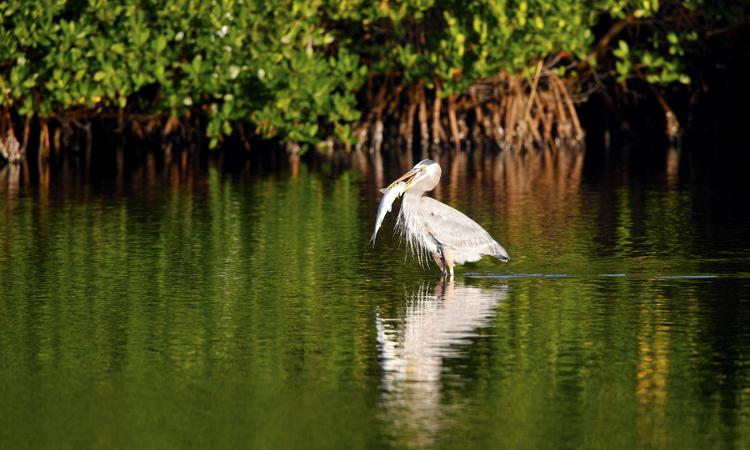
point(160, 43)
point(623, 67)
point(197, 63)
point(624, 48)
point(647, 59)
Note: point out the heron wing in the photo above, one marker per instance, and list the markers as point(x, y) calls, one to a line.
point(466, 238)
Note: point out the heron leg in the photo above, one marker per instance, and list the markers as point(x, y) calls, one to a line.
point(448, 258)
point(439, 261)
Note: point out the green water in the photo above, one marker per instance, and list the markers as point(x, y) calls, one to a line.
point(221, 311)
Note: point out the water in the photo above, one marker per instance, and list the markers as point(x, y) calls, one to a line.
point(171, 309)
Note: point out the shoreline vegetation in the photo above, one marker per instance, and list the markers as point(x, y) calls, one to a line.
point(344, 73)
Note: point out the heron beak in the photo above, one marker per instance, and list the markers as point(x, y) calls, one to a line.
point(413, 174)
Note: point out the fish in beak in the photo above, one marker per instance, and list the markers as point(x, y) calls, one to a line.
point(411, 176)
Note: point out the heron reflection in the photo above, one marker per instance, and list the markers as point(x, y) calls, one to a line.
point(431, 227)
point(437, 323)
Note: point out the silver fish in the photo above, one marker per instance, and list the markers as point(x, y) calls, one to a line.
point(390, 194)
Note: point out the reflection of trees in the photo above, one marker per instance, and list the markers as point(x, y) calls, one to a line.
point(261, 290)
point(239, 294)
point(435, 324)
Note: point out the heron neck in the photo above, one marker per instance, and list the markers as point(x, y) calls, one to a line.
point(413, 194)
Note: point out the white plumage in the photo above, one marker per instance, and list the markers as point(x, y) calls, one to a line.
point(431, 227)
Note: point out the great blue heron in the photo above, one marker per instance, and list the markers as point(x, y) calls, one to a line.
point(435, 228)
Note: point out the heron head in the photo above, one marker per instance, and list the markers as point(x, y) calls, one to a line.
point(424, 169)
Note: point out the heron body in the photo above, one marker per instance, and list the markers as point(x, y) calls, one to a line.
point(431, 227)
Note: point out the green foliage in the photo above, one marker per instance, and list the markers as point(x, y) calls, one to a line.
point(235, 61)
point(294, 68)
point(657, 59)
point(459, 42)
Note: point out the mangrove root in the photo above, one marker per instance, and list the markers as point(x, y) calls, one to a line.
point(518, 113)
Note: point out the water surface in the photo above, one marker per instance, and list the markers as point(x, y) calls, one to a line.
point(172, 309)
